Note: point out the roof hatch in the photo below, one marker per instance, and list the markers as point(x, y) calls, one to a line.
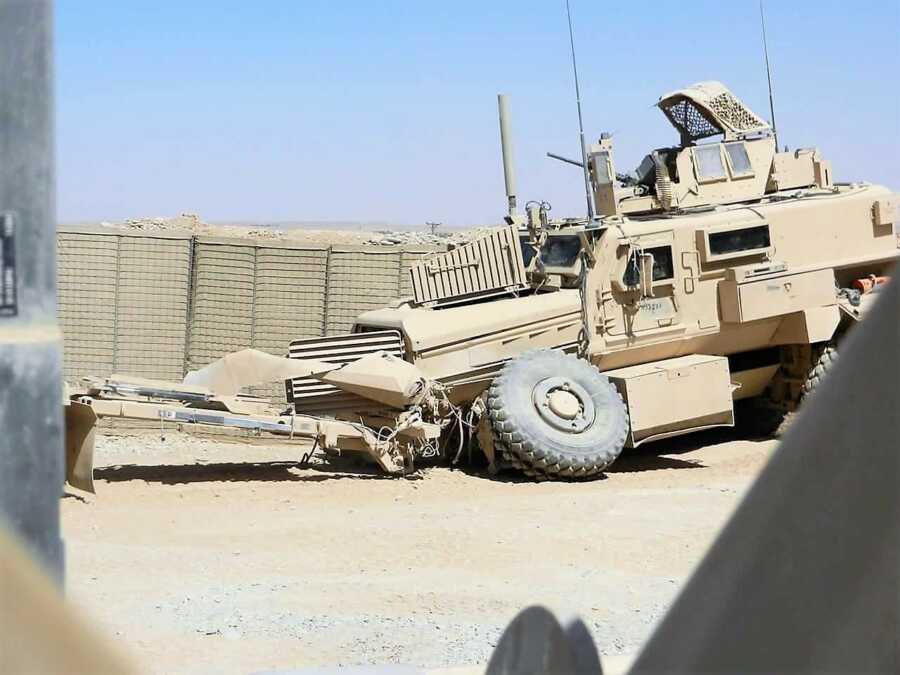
point(708, 109)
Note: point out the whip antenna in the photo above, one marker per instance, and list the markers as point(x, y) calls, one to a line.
point(587, 180)
point(762, 19)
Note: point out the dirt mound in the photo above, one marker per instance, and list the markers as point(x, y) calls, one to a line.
point(423, 238)
point(192, 223)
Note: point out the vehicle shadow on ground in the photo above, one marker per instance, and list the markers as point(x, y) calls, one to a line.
point(243, 472)
point(655, 456)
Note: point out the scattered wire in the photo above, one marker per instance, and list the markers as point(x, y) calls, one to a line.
point(459, 449)
point(304, 460)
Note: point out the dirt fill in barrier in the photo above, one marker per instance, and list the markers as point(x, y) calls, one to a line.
point(359, 279)
point(260, 295)
point(123, 302)
point(158, 303)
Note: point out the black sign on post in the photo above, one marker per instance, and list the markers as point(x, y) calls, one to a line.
point(8, 298)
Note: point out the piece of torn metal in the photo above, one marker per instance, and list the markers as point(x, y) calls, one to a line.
point(250, 367)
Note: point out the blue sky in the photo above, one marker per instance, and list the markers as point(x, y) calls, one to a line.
point(386, 111)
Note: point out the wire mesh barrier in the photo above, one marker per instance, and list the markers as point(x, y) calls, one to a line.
point(360, 279)
point(254, 295)
point(86, 268)
point(153, 288)
point(157, 304)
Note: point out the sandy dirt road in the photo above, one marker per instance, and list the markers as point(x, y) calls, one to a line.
point(211, 556)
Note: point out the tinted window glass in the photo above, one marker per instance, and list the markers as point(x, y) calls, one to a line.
point(560, 251)
point(709, 162)
point(527, 251)
point(737, 156)
point(662, 262)
point(733, 241)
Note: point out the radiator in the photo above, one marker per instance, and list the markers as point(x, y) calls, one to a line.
point(312, 396)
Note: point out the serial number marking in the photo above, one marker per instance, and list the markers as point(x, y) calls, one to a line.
point(657, 307)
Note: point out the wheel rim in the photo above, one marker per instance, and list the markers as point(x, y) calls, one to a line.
point(564, 404)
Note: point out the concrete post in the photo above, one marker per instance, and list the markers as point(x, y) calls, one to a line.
point(31, 419)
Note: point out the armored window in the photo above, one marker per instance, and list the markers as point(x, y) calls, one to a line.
point(738, 160)
point(527, 251)
point(663, 269)
point(560, 251)
point(732, 243)
point(708, 163)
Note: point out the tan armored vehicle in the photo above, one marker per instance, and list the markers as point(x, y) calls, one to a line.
point(722, 270)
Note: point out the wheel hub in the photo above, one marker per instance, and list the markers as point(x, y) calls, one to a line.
point(563, 404)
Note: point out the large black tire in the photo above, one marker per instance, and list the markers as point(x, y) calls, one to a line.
point(542, 449)
point(823, 359)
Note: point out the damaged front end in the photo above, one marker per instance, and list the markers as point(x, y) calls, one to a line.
point(393, 433)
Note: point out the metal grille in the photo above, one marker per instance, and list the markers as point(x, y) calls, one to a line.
point(309, 395)
point(690, 120)
point(488, 264)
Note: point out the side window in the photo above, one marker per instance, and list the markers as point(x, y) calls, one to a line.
point(527, 251)
point(663, 269)
point(708, 163)
point(737, 242)
point(738, 160)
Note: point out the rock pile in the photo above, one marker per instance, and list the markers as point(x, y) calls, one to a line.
point(422, 238)
point(191, 222)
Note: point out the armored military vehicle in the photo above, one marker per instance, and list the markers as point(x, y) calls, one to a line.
point(723, 269)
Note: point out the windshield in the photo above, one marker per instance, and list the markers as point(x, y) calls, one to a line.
point(557, 251)
point(561, 251)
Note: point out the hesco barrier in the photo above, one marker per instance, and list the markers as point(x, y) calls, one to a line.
point(158, 304)
point(123, 302)
point(260, 295)
point(361, 278)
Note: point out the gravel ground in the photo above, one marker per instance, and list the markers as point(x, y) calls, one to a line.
point(211, 555)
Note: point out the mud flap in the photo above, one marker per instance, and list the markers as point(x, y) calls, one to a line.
point(81, 428)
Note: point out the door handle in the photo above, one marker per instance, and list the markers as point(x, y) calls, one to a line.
point(686, 264)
